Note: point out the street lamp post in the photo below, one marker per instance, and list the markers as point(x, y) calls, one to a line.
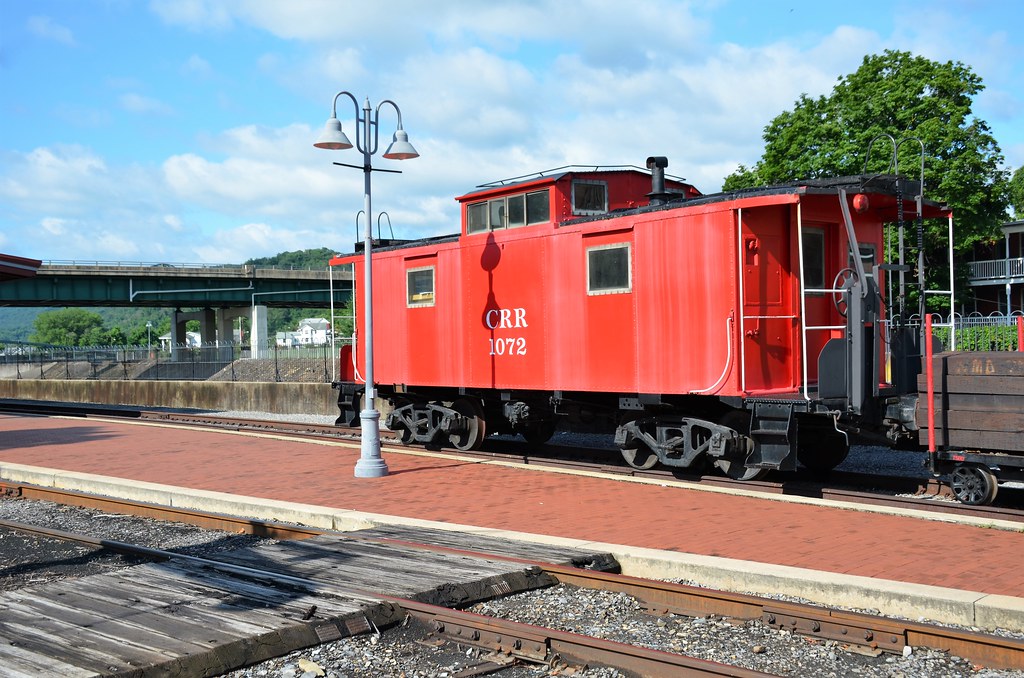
point(370, 464)
point(149, 340)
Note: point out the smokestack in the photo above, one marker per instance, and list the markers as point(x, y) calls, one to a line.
point(657, 165)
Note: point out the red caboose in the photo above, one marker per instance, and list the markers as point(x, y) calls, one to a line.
point(695, 327)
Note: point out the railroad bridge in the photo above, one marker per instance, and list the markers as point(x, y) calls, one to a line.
point(221, 293)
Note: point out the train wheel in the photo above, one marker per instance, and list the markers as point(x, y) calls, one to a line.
point(405, 436)
point(540, 433)
point(974, 485)
point(822, 454)
point(476, 428)
point(640, 457)
point(735, 469)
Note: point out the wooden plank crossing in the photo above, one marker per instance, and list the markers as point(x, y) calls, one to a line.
point(181, 618)
point(978, 403)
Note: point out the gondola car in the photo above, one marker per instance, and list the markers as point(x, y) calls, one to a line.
point(742, 330)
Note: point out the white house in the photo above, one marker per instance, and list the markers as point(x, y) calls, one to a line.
point(287, 339)
point(192, 340)
point(313, 331)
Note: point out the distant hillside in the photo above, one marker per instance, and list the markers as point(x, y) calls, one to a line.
point(16, 324)
point(309, 259)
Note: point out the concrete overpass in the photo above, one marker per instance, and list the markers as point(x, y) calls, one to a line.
point(221, 293)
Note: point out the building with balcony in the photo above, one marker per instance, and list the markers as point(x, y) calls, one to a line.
point(997, 281)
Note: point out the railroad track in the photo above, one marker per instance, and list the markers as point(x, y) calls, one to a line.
point(537, 644)
point(889, 491)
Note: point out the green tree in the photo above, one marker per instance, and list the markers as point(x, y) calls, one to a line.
point(139, 335)
point(907, 97)
point(66, 326)
point(1017, 193)
point(301, 259)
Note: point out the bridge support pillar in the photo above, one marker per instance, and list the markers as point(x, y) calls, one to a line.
point(259, 342)
point(208, 335)
point(179, 336)
point(226, 318)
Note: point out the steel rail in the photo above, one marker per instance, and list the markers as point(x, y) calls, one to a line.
point(528, 642)
point(873, 632)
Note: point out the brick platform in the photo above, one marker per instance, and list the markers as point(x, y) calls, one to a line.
point(445, 488)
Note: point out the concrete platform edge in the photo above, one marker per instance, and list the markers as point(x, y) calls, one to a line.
point(908, 600)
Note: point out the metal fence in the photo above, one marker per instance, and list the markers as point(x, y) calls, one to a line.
point(977, 332)
point(219, 361)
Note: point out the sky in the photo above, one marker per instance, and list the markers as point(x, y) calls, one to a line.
point(181, 131)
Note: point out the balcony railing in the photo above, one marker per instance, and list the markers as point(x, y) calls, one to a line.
point(997, 269)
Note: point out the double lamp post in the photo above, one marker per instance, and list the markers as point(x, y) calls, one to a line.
point(370, 464)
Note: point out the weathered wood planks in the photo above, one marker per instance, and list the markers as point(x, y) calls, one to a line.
point(978, 403)
point(181, 618)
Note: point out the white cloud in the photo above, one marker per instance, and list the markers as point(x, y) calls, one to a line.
point(196, 15)
point(258, 239)
point(173, 222)
point(44, 27)
point(54, 226)
point(197, 66)
point(136, 103)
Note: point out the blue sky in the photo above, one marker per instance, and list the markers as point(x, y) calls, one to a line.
point(182, 130)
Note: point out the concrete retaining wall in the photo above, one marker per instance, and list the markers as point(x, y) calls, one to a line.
point(279, 397)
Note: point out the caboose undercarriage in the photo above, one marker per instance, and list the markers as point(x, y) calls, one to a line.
point(743, 438)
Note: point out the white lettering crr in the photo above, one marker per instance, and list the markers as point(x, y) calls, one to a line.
point(505, 318)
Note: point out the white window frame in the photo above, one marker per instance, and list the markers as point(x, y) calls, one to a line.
point(628, 246)
point(420, 303)
point(589, 182)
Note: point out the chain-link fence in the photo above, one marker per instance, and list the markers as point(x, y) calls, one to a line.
point(219, 361)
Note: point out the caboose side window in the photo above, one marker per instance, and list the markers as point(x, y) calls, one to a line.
point(476, 217)
point(420, 286)
point(538, 210)
point(524, 209)
point(608, 269)
point(497, 210)
point(589, 197)
point(867, 258)
point(814, 259)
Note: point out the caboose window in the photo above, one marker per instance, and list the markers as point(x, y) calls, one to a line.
point(497, 209)
point(608, 269)
point(867, 259)
point(476, 217)
point(814, 259)
point(515, 210)
point(509, 212)
point(589, 197)
point(537, 208)
point(420, 286)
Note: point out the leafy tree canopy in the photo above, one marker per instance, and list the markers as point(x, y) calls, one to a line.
point(1017, 193)
point(304, 259)
point(67, 327)
point(905, 96)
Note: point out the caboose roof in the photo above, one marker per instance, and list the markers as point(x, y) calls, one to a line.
point(887, 186)
point(552, 176)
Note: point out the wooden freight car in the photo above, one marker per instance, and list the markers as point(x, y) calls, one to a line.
point(978, 411)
